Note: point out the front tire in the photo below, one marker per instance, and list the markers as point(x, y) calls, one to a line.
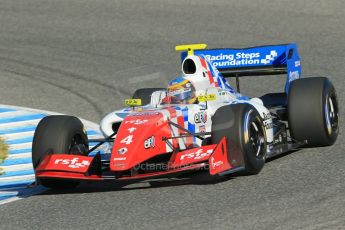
point(242, 125)
point(58, 134)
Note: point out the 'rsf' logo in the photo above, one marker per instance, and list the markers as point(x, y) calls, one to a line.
point(72, 163)
point(149, 142)
point(199, 154)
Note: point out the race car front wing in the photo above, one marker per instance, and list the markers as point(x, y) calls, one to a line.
point(213, 158)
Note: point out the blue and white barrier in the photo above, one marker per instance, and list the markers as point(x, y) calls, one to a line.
point(17, 127)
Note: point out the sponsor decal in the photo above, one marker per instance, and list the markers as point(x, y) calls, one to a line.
point(72, 163)
point(145, 114)
point(133, 102)
point(208, 97)
point(122, 151)
point(269, 58)
point(267, 116)
point(216, 163)
point(241, 58)
point(200, 117)
point(118, 164)
point(119, 158)
point(127, 140)
point(136, 122)
point(131, 129)
point(267, 120)
point(293, 75)
point(196, 155)
point(202, 129)
point(268, 125)
point(149, 142)
point(297, 63)
point(178, 91)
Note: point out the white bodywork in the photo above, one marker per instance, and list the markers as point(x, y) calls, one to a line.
point(223, 98)
point(206, 80)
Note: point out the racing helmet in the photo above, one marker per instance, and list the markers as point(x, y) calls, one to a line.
point(181, 91)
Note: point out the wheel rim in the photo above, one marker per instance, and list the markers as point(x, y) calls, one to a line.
point(331, 114)
point(255, 137)
point(256, 140)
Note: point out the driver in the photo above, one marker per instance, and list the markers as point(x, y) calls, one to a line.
point(180, 91)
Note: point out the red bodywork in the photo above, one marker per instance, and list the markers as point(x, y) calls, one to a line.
point(141, 139)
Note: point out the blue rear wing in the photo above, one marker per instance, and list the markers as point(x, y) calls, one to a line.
point(260, 60)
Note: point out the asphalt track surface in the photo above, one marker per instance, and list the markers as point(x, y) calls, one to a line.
point(84, 57)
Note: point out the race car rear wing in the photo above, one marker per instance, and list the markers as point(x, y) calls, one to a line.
point(255, 61)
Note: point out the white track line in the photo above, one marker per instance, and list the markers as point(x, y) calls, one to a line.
point(19, 155)
point(18, 135)
point(89, 124)
point(14, 113)
point(24, 194)
point(17, 178)
point(19, 167)
point(20, 146)
point(19, 124)
point(8, 193)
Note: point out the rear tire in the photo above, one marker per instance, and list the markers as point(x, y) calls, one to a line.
point(313, 111)
point(58, 134)
point(242, 125)
point(145, 94)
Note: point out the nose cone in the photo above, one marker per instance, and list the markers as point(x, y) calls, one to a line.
point(139, 138)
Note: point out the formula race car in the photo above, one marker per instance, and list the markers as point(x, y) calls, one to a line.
point(199, 122)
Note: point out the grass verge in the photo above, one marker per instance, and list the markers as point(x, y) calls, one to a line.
point(3, 152)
